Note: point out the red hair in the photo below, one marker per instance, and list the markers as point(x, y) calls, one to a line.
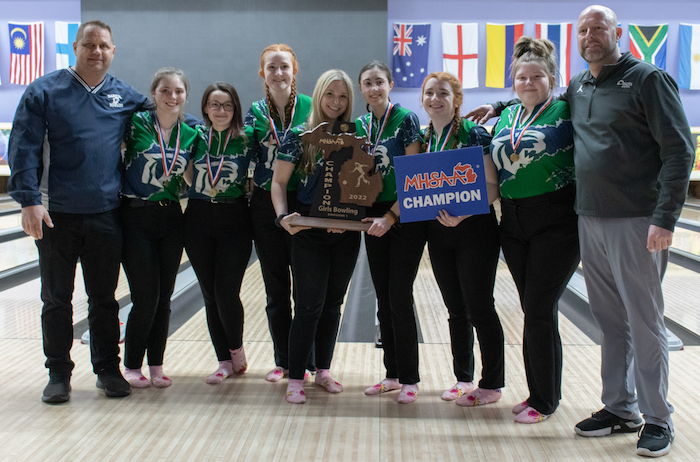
point(456, 87)
point(295, 67)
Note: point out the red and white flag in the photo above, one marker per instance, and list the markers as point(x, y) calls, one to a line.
point(26, 52)
point(460, 51)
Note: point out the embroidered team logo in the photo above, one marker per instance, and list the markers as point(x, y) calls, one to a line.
point(580, 89)
point(624, 85)
point(116, 100)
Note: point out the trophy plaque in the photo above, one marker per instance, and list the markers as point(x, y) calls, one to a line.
point(348, 182)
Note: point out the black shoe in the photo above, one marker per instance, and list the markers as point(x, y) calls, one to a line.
point(654, 441)
point(58, 389)
point(113, 383)
point(603, 423)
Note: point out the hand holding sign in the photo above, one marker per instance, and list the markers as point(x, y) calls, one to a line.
point(454, 181)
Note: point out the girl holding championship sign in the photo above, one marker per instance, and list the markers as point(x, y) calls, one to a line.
point(464, 252)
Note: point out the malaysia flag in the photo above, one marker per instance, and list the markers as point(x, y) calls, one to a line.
point(26, 52)
point(410, 54)
point(560, 35)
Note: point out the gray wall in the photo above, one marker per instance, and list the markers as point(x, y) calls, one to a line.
point(222, 40)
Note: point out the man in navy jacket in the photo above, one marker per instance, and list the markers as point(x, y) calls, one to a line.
point(66, 172)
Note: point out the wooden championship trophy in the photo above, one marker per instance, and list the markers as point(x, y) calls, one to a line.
point(348, 180)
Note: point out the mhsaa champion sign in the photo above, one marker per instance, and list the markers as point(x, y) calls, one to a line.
point(453, 180)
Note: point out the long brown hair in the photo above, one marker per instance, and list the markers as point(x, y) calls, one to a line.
point(166, 71)
point(378, 65)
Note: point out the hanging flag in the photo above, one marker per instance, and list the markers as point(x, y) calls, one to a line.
point(560, 35)
point(65, 36)
point(648, 43)
point(460, 52)
point(410, 61)
point(500, 39)
point(26, 52)
point(689, 61)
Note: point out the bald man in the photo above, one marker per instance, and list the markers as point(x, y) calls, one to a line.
point(633, 155)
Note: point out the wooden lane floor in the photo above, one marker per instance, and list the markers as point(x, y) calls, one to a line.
point(20, 306)
point(20, 312)
point(17, 252)
point(247, 419)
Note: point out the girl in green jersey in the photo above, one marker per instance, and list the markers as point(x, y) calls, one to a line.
point(272, 119)
point(394, 252)
point(464, 252)
point(532, 148)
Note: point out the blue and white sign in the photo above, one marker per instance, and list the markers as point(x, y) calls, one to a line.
point(452, 180)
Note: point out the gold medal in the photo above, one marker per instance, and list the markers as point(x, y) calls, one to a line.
point(344, 127)
point(514, 157)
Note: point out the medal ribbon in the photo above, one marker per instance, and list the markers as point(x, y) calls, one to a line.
point(220, 153)
point(161, 142)
point(273, 128)
point(444, 142)
point(383, 121)
point(515, 141)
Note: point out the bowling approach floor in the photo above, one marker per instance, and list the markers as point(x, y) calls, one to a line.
point(246, 418)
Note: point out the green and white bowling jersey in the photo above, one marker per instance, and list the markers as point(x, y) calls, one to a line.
point(147, 175)
point(264, 142)
point(470, 135)
point(401, 130)
point(225, 173)
point(544, 160)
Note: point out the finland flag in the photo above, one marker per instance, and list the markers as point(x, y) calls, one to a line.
point(65, 36)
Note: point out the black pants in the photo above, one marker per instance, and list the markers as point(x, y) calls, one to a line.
point(274, 248)
point(97, 240)
point(322, 263)
point(539, 237)
point(153, 242)
point(393, 263)
point(218, 240)
point(464, 260)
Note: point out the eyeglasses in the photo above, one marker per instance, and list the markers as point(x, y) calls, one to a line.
point(215, 106)
point(367, 84)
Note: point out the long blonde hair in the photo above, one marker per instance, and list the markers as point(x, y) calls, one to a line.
point(316, 116)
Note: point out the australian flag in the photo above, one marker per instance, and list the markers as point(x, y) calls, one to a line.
point(410, 54)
